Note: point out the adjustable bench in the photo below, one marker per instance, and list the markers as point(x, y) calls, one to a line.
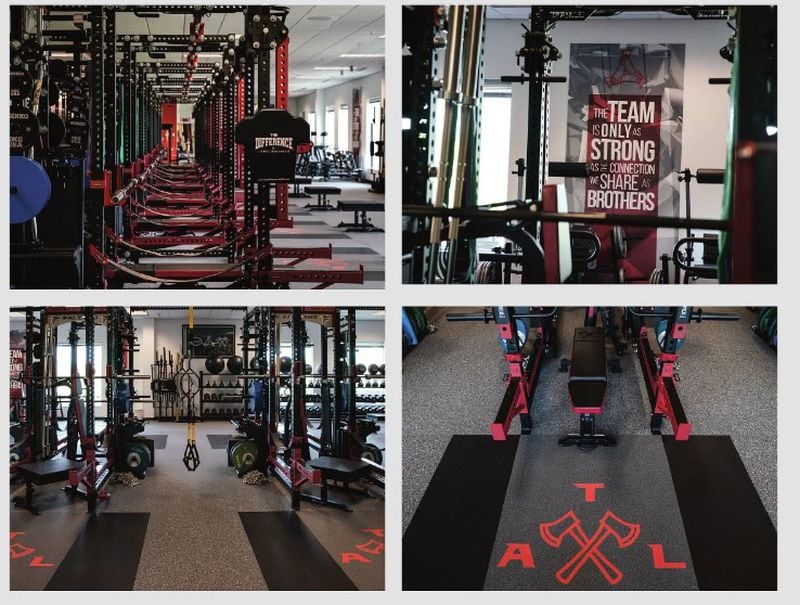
point(587, 386)
point(360, 220)
point(322, 192)
point(296, 182)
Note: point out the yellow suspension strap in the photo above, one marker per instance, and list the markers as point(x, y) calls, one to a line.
point(190, 386)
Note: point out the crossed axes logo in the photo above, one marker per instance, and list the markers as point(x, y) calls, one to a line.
point(568, 526)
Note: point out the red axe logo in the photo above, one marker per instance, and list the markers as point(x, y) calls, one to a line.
point(610, 526)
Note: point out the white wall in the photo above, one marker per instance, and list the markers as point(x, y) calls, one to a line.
point(372, 87)
point(705, 118)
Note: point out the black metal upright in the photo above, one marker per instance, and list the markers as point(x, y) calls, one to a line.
point(94, 214)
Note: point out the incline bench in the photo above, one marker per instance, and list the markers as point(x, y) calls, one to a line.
point(360, 209)
point(322, 192)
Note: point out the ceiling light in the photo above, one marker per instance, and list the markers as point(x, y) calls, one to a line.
point(362, 55)
point(319, 18)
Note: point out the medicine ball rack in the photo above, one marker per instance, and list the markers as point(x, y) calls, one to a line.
point(117, 196)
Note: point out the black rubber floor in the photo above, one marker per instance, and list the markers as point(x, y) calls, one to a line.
point(159, 441)
point(219, 442)
point(733, 542)
point(289, 555)
point(663, 515)
point(449, 542)
point(105, 555)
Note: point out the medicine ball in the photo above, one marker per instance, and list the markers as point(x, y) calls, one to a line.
point(309, 369)
point(215, 365)
point(373, 369)
point(286, 365)
point(235, 364)
point(382, 369)
point(256, 364)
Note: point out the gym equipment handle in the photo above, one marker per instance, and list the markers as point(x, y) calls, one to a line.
point(711, 176)
point(568, 169)
point(484, 316)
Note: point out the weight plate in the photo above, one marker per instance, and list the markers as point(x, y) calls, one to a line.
point(137, 458)
point(58, 70)
point(55, 130)
point(77, 132)
point(373, 453)
point(24, 128)
point(30, 189)
point(31, 51)
point(77, 104)
point(620, 242)
point(21, 84)
point(244, 455)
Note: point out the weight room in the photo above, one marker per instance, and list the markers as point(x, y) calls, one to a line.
point(526, 429)
point(216, 448)
point(644, 140)
point(225, 146)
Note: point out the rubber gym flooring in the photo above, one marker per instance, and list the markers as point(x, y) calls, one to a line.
point(202, 530)
point(651, 513)
point(314, 229)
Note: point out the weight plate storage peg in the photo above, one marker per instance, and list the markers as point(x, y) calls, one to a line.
point(30, 189)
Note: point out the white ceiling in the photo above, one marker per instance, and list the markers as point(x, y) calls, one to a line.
point(318, 35)
point(522, 13)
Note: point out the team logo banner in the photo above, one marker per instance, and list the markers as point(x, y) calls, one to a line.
point(625, 115)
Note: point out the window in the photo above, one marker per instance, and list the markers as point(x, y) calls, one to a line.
point(343, 129)
point(493, 168)
point(312, 122)
point(374, 115)
point(330, 123)
point(63, 363)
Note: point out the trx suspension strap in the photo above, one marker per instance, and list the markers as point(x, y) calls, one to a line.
point(190, 387)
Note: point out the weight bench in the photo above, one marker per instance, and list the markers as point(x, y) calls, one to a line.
point(322, 192)
point(360, 220)
point(42, 473)
point(338, 469)
point(587, 386)
point(296, 182)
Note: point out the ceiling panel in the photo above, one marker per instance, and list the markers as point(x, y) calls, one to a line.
point(318, 35)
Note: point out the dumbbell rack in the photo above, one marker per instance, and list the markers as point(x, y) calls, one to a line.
point(233, 389)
